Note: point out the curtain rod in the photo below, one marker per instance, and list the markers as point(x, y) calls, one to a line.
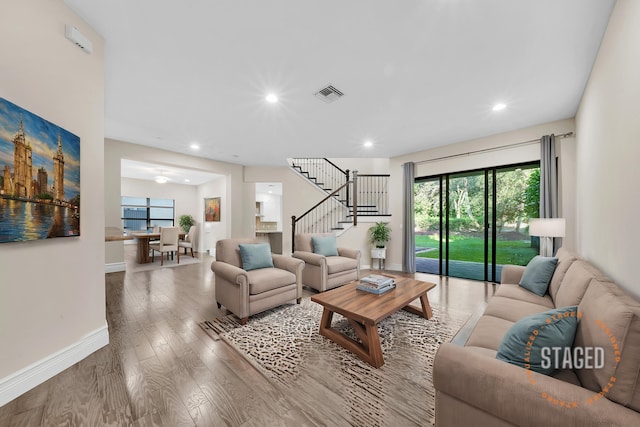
point(486, 150)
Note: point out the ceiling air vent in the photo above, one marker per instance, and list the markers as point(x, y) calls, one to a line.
point(329, 94)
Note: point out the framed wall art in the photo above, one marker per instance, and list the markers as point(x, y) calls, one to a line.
point(39, 177)
point(212, 209)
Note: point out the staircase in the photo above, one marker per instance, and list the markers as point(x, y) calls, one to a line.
point(348, 196)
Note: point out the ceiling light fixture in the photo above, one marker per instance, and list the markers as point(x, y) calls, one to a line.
point(271, 98)
point(195, 146)
point(161, 179)
point(368, 144)
point(499, 107)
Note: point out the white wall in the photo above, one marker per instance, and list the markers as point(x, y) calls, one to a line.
point(211, 232)
point(52, 294)
point(373, 166)
point(608, 149)
point(520, 154)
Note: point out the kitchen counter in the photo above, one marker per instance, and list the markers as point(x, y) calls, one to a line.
point(274, 237)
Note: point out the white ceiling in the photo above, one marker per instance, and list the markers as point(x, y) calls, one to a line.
point(149, 172)
point(415, 73)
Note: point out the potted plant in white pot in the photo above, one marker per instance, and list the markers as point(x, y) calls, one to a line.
point(379, 235)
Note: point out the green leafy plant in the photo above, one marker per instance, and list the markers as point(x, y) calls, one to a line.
point(380, 234)
point(185, 222)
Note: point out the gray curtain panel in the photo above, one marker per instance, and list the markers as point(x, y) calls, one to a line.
point(408, 239)
point(549, 182)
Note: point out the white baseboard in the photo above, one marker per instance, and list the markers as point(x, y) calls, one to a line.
point(27, 378)
point(114, 267)
point(391, 267)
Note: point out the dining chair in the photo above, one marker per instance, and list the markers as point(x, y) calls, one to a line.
point(190, 241)
point(168, 243)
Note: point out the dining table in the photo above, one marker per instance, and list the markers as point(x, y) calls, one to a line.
point(143, 238)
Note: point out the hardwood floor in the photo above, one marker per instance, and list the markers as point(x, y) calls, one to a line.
point(161, 369)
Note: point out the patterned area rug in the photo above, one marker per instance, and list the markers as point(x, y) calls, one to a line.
point(284, 344)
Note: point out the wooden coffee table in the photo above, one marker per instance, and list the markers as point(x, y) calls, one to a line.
point(364, 311)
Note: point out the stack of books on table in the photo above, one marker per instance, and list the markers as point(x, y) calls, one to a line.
point(376, 284)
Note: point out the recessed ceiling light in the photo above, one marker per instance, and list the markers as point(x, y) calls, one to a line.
point(194, 146)
point(187, 180)
point(272, 98)
point(368, 144)
point(161, 179)
point(499, 107)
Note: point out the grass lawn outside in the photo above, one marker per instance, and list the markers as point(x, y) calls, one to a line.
point(466, 248)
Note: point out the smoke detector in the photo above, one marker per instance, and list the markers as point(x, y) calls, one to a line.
point(82, 41)
point(329, 94)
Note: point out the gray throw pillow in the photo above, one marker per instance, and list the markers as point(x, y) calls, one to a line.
point(325, 245)
point(528, 343)
point(255, 256)
point(538, 274)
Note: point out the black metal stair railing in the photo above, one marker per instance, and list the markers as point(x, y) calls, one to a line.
point(325, 216)
point(348, 196)
point(373, 195)
point(325, 174)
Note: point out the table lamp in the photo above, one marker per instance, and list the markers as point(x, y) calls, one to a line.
point(547, 229)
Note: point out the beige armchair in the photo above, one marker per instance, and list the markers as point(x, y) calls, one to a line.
point(168, 243)
point(246, 293)
point(190, 241)
point(326, 272)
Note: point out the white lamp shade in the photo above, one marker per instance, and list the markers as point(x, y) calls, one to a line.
point(547, 227)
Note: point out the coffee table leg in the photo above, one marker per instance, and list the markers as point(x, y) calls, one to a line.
point(375, 349)
point(327, 317)
point(426, 308)
point(369, 350)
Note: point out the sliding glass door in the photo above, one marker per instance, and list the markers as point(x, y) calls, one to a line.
point(468, 224)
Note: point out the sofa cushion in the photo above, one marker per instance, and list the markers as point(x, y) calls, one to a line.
point(565, 259)
point(337, 264)
point(519, 293)
point(611, 320)
point(524, 344)
point(488, 332)
point(538, 274)
point(575, 283)
point(513, 309)
point(325, 245)
point(266, 279)
point(255, 256)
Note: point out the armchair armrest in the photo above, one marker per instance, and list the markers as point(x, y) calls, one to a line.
point(229, 272)
point(349, 253)
point(310, 258)
point(466, 376)
point(512, 274)
point(290, 264)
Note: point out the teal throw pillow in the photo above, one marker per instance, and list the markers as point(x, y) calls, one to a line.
point(255, 255)
point(538, 274)
point(530, 342)
point(325, 245)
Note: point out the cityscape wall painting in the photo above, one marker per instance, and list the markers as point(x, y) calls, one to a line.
point(212, 209)
point(39, 177)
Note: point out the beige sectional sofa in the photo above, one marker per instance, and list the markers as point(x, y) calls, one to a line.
point(475, 388)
